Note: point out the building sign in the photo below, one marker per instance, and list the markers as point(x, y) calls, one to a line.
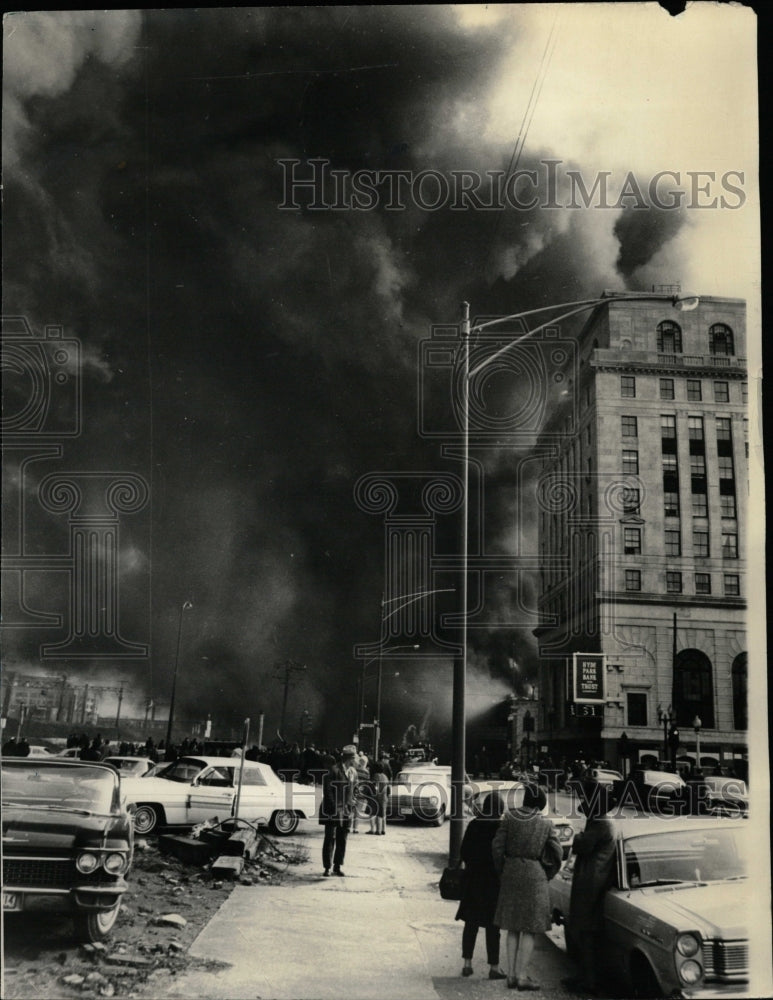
point(586, 711)
point(589, 676)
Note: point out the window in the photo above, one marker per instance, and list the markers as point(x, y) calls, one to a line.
point(628, 386)
point(725, 466)
point(667, 425)
point(673, 542)
point(669, 338)
point(666, 388)
point(631, 500)
point(630, 462)
point(702, 583)
point(729, 545)
point(695, 428)
point(671, 504)
point(697, 466)
point(727, 505)
point(693, 689)
point(636, 707)
point(744, 392)
point(721, 392)
point(724, 432)
point(739, 673)
point(694, 390)
point(673, 583)
point(721, 339)
point(633, 579)
point(632, 541)
point(700, 544)
point(732, 583)
point(700, 506)
point(669, 463)
point(629, 427)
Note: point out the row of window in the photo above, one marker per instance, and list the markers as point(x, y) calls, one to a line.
point(694, 389)
point(669, 339)
point(700, 542)
point(731, 582)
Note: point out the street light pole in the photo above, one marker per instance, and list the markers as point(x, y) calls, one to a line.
point(696, 724)
point(459, 722)
point(185, 606)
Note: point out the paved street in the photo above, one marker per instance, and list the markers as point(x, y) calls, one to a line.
point(382, 932)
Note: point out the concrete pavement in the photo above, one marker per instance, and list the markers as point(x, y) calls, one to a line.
point(380, 933)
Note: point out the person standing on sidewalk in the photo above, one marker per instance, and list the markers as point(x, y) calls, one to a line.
point(594, 872)
point(481, 885)
point(381, 777)
point(527, 852)
point(335, 809)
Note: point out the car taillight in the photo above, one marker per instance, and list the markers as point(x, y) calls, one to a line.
point(87, 863)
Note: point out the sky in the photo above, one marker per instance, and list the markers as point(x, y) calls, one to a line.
point(249, 363)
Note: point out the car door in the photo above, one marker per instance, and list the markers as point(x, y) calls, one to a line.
point(211, 794)
point(263, 793)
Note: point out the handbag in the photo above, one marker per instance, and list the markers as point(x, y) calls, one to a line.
point(452, 883)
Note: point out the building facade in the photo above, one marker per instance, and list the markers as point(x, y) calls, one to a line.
point(642, 499)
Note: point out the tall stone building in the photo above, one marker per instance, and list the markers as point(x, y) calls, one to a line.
point(643, 499)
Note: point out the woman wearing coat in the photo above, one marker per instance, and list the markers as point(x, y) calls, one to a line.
point(481, 886)
point(524, 841)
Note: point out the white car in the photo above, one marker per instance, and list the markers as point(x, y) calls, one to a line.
point(39, 751)
point(71, 753)
point(423, 791)
point(675, 921)
point(195, 789)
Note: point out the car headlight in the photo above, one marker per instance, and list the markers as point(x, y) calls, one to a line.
point(115, 864)
point(691, 972)
point(87, 863)
point(433, 800)
point(564, 832)
point(687, 945)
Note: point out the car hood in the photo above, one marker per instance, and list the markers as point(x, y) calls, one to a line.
point(717, 910)
point(44, 829)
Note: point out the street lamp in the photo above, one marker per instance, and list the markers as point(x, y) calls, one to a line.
point(186, 605)
point(696, 724)
point(459, 723)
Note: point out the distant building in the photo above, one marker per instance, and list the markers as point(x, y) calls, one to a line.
point(643, 500)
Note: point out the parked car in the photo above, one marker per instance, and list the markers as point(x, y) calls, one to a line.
point(423, 791)
point(67, 841)
point(191, 790)
point(674, 920)
point(512, 793)
point(605, 775)
point(130, 767)
point(725, 796)
point(70, 753)
point(37, 750)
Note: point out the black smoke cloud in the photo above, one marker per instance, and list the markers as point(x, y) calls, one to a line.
point(253, 363)
point(642, 233)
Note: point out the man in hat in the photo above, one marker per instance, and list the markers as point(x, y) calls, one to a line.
point(335, 810)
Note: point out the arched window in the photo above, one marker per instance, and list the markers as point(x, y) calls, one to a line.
point(740, 692)
point(694, 689)
point(721, 339)
point(669, 338)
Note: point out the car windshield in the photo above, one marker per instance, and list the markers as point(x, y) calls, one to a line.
point(63, 788)
point(126, 766)
point(698, 855)
point(184, 770)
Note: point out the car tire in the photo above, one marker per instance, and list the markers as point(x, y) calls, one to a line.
point(645, 982)
point(146, 819)
point(91, 928)
point(284, 822)
point(440, 817)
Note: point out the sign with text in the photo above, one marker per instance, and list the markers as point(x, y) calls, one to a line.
point(589, 678)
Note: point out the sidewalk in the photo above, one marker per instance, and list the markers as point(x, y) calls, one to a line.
point(381, 933)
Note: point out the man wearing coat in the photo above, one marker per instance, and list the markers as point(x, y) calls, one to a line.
point(335, 810)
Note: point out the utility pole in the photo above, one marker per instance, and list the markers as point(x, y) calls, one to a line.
point(289, 667)
point(118, 710)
